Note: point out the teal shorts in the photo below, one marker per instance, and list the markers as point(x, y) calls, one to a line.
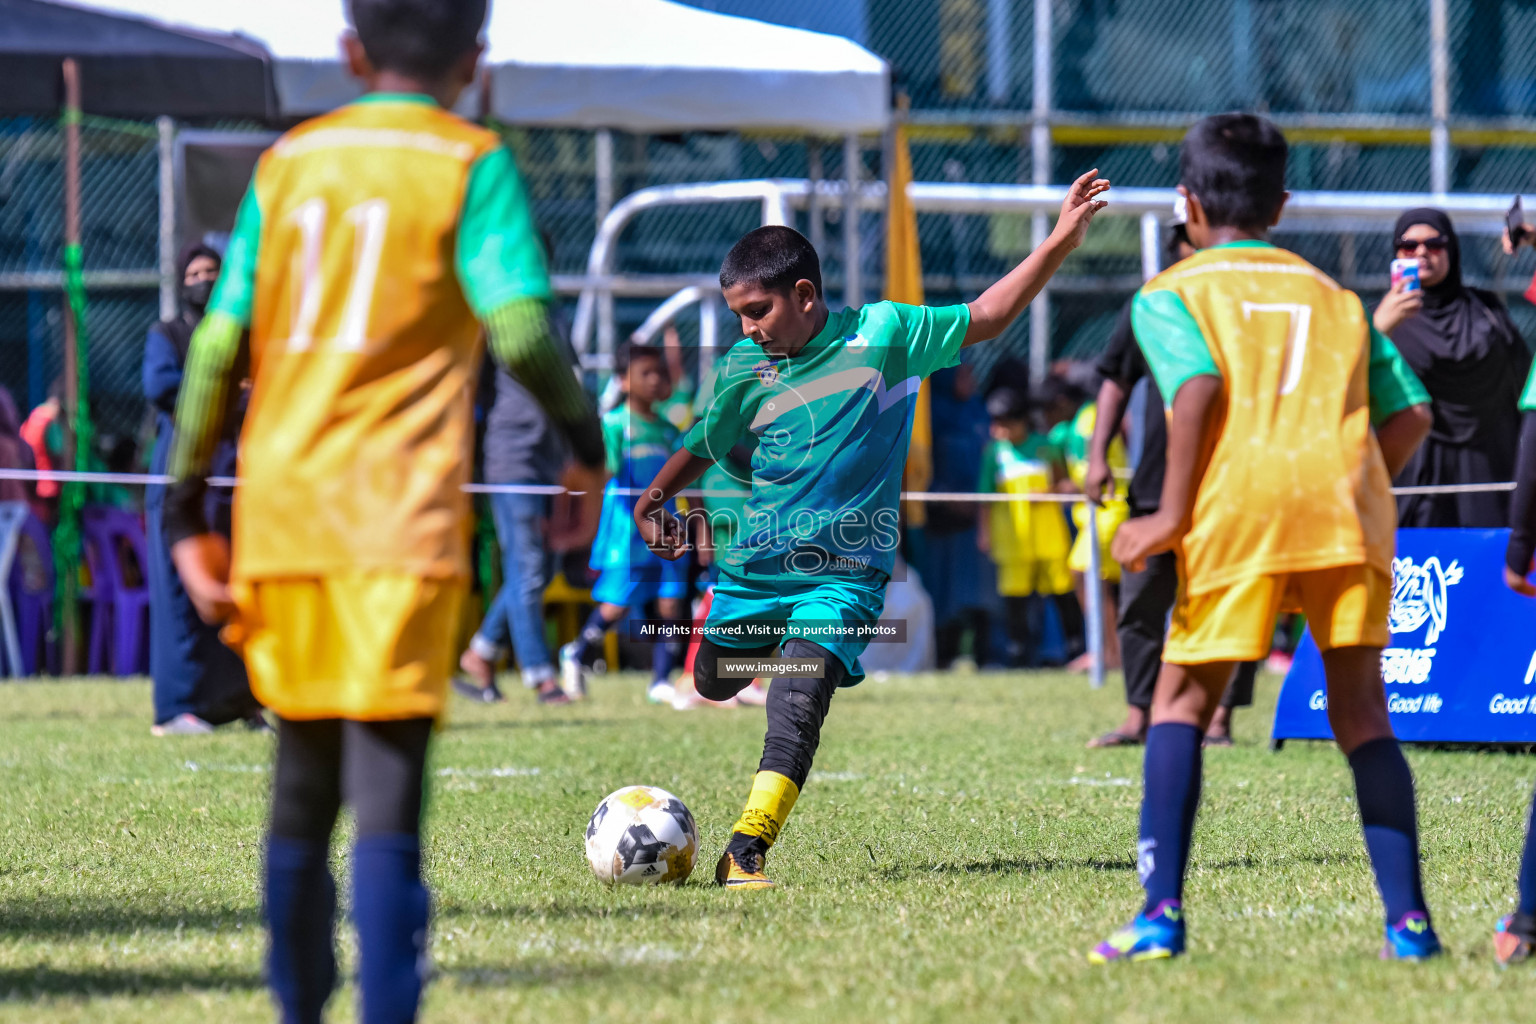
point(833, 612)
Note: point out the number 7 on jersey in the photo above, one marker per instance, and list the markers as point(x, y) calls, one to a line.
point(1295, 339)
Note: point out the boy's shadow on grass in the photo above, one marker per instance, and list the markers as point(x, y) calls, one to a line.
point(43, 981)
point(459, 725)
point(1039, 865)
point(32, 920)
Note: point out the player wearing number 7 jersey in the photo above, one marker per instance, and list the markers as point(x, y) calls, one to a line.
point(372, 246)
point(1290, 414)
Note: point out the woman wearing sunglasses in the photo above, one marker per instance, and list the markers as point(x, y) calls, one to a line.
point(1470, 356)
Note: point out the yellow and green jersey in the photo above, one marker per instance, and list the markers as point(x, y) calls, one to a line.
point(1074, 436)
point(1296, 481)
point(370, 247)
point(1023, 531)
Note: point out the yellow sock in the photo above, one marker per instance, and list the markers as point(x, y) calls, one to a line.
point(773, 797)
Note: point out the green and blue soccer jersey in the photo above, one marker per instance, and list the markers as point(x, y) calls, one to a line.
point(638, 446)
point(833, 423)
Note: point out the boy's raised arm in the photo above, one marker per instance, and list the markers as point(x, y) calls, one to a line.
point(1000, 305)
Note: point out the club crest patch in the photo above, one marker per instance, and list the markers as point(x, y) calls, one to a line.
point(767, 371)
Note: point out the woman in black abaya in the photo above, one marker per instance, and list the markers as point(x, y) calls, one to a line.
point(1462, 344)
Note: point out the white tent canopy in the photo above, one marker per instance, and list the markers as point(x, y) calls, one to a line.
point(638, 65)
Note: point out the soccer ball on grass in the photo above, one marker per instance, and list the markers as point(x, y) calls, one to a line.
point(641, 835)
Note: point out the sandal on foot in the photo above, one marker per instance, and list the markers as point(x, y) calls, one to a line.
point(1115, 738)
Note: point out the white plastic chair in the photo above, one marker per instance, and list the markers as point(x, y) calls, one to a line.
point(12, 515)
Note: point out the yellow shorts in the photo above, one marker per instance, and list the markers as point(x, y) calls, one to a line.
point(1345, 607)
point(370, 646)
point(1033, 576)
point(1111, 515)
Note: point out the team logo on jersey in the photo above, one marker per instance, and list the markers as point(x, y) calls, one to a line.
point(768, 372)
point(1419, 595)
point(854, 341)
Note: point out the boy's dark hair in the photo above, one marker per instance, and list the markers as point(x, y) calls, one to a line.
point(1057, 389)
point(420, 38)
point(628, 352)
point(1235, 165)
point(1007, 404)
point(774, 257)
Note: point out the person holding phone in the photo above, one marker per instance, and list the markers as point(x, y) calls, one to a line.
point(1462, 344)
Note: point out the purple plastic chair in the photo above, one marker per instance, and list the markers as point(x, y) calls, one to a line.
point(31, 586)
point(119, 594)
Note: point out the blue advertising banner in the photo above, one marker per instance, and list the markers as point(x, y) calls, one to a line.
point(1462, 662)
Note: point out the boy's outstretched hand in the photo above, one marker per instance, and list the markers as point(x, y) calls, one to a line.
point(1000, 305)
point(1078, 208)
point(663, 534)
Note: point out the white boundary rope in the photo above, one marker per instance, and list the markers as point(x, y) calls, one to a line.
point(160, 479)
point(1093, 613)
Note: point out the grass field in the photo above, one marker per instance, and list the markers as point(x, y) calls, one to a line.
point(955, 854)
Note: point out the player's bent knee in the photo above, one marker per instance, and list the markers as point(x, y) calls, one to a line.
point(706, 672)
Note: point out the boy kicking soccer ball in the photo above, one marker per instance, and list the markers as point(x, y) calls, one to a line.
point(830, 398)
point(372, 245)
point(1277, 496)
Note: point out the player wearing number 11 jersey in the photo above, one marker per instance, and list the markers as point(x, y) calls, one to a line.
point(1290, 414)
point(374, 246)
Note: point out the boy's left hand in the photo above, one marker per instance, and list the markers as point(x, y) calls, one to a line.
point(663, 534)
point(1078, 208)
point(1518, 582)
point(1139, 539)
point(202, 562)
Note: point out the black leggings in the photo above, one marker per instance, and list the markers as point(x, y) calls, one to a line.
point(377, 768)
point(797, 706)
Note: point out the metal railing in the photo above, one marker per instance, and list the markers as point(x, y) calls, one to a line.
point(781, 197)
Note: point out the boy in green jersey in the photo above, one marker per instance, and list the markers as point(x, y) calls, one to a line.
point(830, 397)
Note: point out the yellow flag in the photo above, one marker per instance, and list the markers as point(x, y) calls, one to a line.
point(904, 283)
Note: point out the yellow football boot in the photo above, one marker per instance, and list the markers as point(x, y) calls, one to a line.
point(742, 871)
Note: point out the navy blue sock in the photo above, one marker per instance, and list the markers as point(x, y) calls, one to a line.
point(1384, 787)
point(1170, 796)
point(590, 640)
point(664, 652)
point(300, 911)
point(390, 907)
point(1527, 904)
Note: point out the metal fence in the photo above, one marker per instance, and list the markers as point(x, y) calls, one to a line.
point(1001, 91)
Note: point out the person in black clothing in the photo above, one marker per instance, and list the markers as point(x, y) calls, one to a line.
point(1146, 597)
point(198, 681)
point(1465, 348)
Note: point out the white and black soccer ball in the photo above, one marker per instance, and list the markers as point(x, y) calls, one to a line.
point(641, 835)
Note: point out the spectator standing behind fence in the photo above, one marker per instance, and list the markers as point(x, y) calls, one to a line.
point(1027, 539)
point(1466, 350)
point(521, 447)
point(198, 681)
point(15, 453)
point(42, 433)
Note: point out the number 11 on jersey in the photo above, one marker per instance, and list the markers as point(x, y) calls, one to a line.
point(369, 220)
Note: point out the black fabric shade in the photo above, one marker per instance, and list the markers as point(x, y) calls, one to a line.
point(129, 67)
